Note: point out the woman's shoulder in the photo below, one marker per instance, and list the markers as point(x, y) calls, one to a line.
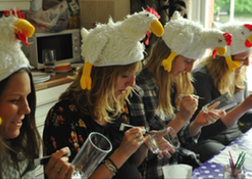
point(199, 69)
point(64, 104)
point(9, 171)
point(63, 109)
point(200, 72)
point(145, 80)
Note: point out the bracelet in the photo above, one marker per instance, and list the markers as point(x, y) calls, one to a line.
point(110, 167)
point(113, 164)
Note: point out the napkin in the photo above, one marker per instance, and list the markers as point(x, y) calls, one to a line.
point(181, 171)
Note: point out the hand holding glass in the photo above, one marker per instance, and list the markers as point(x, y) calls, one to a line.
point(165, 139)
point(225, 101)
point(92, 152)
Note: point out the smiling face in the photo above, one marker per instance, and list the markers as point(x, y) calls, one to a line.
point(181, 64)
point(243, 58)
point(14, 105)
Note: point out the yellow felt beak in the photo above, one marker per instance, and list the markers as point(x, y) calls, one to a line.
point(86, 80)
point(0, 121)
point(24, 27)
point(157, 28)
point(232, 65)
point(249, 38)
point(167, 63)
point(221, 50)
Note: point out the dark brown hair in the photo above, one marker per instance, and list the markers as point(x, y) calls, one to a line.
point(29, 141)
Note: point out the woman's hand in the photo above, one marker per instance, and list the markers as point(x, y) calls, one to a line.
point(58, 165)
point(188, 105)
point(210, 116)
point(165, 148)
point(205, 118)
point(132, 140)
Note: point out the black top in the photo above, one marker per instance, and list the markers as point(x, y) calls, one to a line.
point(204, 87)
point(64, 126)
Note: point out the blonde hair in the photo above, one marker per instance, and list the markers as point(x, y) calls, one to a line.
point(100, 102)
point(224, 79)
point(165, 80)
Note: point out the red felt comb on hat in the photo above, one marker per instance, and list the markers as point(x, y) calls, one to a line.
point(153, 11)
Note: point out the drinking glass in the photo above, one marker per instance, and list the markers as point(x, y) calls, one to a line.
point(92, 152)
point(226, 101)
point(165, 139)
point(49, 59)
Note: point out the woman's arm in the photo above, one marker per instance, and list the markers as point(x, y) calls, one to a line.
point(204, 119)
point(140, 155)
point(187, 107)
point(132, 140)
point(237, 112)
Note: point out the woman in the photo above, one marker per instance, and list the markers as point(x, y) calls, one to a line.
point(214, 77)
point(20, 140)
point(97, 100)
point(165, 76)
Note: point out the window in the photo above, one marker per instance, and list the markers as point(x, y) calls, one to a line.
point(221, 11)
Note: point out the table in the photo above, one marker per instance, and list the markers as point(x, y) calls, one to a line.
point(211, 169)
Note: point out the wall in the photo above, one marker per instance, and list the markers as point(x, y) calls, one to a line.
point(6, 5)
point(93, 11)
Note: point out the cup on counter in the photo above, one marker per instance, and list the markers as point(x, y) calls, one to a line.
point(49, 59)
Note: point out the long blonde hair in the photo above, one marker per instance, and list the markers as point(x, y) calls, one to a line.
point(165, 80)
point(100, 102)
point(224, 79)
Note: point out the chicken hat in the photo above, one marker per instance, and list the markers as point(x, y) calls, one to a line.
point(14, 29)
point(117, 43)
point(191, 39)
point(242, 40)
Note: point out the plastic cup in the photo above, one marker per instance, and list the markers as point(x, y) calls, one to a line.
point(233, 173)
point(92, 152)
point(165, 139)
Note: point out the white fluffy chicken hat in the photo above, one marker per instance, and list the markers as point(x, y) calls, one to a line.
point(190, 39)
point(117, 43)
point(14, 28)
point(242, 40)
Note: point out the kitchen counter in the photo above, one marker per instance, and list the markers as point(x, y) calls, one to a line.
point(57, 79)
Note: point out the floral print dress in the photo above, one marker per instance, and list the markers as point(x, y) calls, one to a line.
point(65, 126)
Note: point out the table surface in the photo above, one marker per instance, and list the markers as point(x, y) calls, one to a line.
point(210, 169)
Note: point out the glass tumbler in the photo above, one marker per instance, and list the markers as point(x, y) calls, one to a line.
point(91, 154)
